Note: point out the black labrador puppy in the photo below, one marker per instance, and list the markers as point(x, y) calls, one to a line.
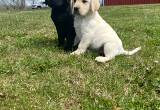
point(63, 19)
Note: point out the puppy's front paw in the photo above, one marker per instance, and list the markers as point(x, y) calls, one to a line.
point(77, 52)
point(73, 53)
point(101, 59)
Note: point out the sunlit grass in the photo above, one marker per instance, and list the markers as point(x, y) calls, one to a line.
point(35, 74)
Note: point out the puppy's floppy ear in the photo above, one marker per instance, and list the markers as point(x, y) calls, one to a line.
point(95, 5)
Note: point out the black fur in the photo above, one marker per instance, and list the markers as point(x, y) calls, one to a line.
point(63, 19)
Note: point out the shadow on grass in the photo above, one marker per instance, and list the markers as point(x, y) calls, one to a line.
point(44, 42)
point(38, 43)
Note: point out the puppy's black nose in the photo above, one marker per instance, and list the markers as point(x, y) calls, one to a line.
point(76, 9)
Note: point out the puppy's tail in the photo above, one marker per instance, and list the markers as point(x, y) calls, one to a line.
point(132, 52)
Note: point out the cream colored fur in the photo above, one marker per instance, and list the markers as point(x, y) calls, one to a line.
point(93, 32)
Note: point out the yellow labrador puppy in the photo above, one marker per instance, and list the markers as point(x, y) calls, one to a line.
point(93, 32)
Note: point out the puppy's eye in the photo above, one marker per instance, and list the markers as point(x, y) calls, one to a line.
point(84, 1)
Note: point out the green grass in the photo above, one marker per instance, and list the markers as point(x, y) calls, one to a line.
point(36, 75)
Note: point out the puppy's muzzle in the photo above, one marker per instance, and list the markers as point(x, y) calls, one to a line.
point(76, 10)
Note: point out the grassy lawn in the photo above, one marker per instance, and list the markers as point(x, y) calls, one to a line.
point(37, 75)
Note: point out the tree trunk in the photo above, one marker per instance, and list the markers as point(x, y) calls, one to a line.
point(22, 4)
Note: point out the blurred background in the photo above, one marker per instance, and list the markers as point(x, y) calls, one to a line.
point(25, 4)
point(22, 4)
